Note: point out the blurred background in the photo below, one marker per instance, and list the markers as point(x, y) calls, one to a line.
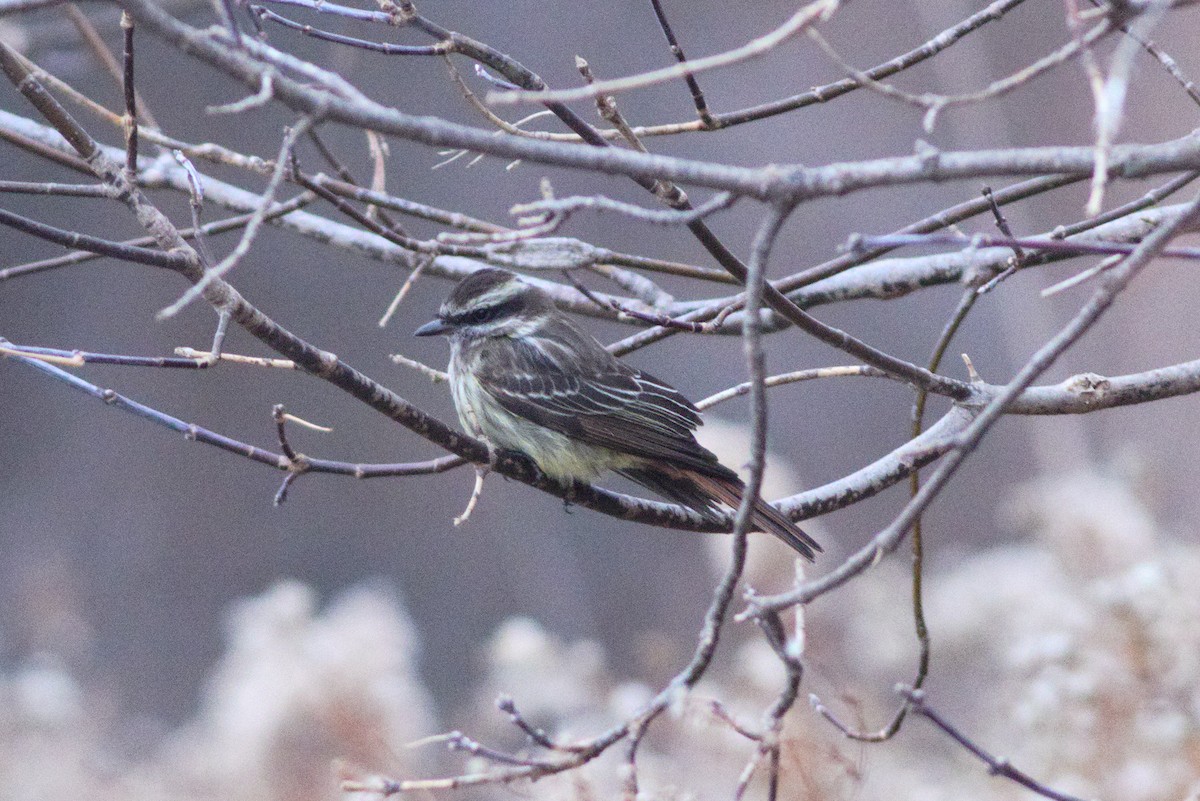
point(125, 551)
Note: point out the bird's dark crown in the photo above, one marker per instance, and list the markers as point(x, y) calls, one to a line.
point(490, 295)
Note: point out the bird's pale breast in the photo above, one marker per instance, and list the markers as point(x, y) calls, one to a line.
point(555, 454)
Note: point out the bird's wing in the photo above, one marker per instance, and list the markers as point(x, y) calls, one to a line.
point(577, 388)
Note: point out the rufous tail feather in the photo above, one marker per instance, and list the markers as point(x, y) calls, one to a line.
point(766, 517)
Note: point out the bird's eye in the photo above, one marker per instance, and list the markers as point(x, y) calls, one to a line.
point(481, 315)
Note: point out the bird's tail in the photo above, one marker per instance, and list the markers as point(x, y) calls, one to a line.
point(766, 518)
point(704, 493)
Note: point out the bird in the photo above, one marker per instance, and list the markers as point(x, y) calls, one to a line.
point(524, 377)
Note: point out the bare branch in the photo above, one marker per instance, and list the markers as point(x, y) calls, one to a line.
point(677, 51)
point(820, 10)
point(775, 184)
point(997, 766)
point(889, 538)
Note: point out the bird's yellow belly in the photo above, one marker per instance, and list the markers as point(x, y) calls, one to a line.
point(555, 454)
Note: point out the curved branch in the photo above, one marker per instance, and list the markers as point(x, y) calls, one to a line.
point(196, 433)
point(887, 540)
point(1089, 392)
point(325, 365)
point(883, 472)
point(785, 184)
point(882, 279)
point(886, 279)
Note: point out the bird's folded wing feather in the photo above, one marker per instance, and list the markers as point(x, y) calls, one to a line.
point(594, 398)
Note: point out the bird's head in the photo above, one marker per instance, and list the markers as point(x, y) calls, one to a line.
point(490, 303)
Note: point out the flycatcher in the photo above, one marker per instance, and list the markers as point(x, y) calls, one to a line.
point(525, 378)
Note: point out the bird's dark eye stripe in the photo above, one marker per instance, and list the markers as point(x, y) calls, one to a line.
point(487, 314)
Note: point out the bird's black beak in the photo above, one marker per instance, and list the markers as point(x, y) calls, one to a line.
point(432, 328)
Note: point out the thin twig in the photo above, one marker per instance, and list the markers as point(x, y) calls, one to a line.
point(403, 292)
point(131, 117)
point(196, 433)
point(820, 10)
point(606, 106)
point(96, 44)
point(774, 184)
point(61, 190)
point(934, 104)
point(78, 358)
point(1095, 78)
point(924, 645)
point(509, 707)
point(252, 227)
point(1018, 259)
point(820, 94)
point(259, 99)
point(93, 244)
point(569, 205)
point(624, 312)
point(1074, 246)
point(215, 227)
point(436, 376)
point(852, 258)
point(1169, 64)
point(997, 766)
point(791, 378)
point(237, 358)
point(697, 95)
point(887, 540)
point(388, 49)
